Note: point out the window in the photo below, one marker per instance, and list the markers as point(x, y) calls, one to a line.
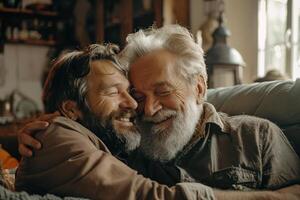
point(279, 37)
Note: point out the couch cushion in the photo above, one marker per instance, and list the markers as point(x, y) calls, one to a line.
point(277, 101)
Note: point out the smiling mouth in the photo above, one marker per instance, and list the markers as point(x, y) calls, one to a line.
point(167, 120)
point(126, 121)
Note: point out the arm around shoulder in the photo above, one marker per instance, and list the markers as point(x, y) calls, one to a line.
point(70, 164)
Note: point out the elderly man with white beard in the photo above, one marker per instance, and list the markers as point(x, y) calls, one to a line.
point(183, 137)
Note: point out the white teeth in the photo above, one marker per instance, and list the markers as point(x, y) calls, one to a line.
point(124, 119)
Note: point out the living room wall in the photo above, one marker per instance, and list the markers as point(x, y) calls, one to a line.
point(242, 20)
point(23, 67)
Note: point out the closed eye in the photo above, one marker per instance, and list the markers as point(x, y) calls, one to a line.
point(111, 92)
point(163, 93)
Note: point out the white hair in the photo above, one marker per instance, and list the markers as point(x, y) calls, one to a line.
point(173, 38)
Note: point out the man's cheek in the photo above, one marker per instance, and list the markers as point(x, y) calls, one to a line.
point(104, 113)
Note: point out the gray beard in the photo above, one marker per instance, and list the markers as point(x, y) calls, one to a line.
point(130, 138)
point(163, 145)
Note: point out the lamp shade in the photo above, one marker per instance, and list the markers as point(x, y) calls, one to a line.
point(222, 54)
point(224, 63)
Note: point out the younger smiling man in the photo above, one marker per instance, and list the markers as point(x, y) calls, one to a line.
point(91, 92)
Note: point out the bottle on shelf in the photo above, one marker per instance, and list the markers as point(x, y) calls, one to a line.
point(1, 3)
point(15, 33)
point(8, 33)
point(24, 35)
point(34, 33)
point(50, 28)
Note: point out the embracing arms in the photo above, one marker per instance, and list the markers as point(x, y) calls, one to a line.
point(115, 174)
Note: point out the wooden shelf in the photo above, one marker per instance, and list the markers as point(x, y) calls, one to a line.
point(33, 42)
point(116, 30)
point(129, 17)
point(25, 12)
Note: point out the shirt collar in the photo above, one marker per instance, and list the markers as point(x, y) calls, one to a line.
point(212, 116)
point(209, 116)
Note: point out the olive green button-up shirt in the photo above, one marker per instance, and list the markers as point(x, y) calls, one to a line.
point(229, 152)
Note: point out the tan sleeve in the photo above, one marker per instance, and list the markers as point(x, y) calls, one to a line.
point(70, 165)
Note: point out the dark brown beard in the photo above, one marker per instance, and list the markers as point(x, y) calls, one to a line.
point(106, 133)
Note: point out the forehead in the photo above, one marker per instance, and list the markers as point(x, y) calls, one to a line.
point(104, 72)
point(103, 67)
point(155, 67)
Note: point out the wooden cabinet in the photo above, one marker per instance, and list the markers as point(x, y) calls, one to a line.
point(101, 21)
point(28, 26)
point(117, 18)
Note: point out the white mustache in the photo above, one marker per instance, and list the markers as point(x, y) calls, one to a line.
point(160, 116)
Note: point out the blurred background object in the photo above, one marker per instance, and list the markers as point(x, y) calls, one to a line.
point(6, 160)
point(6, 111)
point(224, 63)
point(272, 75)
point(212, 9)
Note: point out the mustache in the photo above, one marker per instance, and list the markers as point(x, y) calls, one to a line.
point(159, 116)
point(126, 113)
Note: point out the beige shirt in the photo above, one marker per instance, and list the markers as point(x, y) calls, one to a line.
point(74, 162)
point(229, 152)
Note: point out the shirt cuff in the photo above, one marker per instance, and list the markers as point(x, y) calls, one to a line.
point(197, 191)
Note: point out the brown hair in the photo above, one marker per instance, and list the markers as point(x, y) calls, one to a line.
point(67, 77)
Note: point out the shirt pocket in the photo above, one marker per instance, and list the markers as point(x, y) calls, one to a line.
point(236, 178)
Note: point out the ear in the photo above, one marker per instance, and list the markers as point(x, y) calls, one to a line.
point(200, 89)
point(70, 110)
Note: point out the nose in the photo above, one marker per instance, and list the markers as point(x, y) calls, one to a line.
point(128, 101)
point(151, 106)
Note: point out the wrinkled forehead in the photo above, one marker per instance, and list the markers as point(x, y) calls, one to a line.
point(105, 72)
point(157, 66)
point(104, 67)
point(156, 61)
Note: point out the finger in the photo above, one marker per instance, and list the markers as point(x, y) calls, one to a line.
point(25, 151)
point(28, 140)
point(49, 117)
point(32, 127)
